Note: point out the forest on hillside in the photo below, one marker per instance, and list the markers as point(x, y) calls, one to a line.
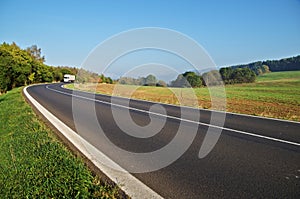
point(237, 74)
point(194, 80)
point(20, 67)
point(286, 64)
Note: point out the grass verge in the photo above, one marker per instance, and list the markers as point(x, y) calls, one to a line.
point(34, 164)
point(275, 95)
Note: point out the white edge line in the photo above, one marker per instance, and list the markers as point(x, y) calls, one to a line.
point(127, 182)
point(181, 119)
point(201, 109)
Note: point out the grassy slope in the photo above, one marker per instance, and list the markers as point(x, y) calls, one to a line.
point(274, 95)
point(34, 163)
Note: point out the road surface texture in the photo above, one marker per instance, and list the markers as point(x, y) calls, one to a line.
point(241, 165)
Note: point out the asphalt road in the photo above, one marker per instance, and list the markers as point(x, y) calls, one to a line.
point(253, 158)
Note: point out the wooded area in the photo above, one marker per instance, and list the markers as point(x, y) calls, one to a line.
point(150, 80)
point(19, 67)
point(286, 64)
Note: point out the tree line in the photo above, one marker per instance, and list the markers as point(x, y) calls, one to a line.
point(214, 78)
point(227, 75)
point(19, 67)
point(194, 80)
point(286, 64)
point(245, 73)
point(150, 80)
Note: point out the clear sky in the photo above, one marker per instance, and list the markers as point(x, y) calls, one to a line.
point(231, 31)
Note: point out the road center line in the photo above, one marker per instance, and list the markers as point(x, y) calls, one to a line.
point(177, 118)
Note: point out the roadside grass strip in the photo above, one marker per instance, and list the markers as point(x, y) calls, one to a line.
point(35, 164)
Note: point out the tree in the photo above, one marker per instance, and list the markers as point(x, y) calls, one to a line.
point(5, 74)
point(102, 79)
point(265, 69)
point(57, 74)
point(15, 65)
point(36, 53)
point(31, 78)
point(286, 64)
point(20, 67)
point(187, 79)
point(161, 83)
point(193, 79)
point(180, 82)
point(66, 71)
point(150, 80)
point(226, 74)
point(243, 75)
point(109, 80)
point(212, 78)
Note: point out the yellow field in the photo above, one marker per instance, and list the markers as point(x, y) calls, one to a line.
point(275, 95)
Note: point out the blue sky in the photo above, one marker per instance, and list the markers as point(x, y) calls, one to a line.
point(231, 31)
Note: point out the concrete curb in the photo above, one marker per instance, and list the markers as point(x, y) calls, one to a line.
point(127, 182)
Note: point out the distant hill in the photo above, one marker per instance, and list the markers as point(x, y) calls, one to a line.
point(286, 64)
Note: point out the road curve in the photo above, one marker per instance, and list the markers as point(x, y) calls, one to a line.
point(253, 158)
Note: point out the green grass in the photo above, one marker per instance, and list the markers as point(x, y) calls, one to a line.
point(34, 164)
point(280, 76)
point(276, 87)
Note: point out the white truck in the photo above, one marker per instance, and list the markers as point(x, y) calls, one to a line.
point(69, 78)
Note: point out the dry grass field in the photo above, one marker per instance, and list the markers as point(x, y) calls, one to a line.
point(275, 95)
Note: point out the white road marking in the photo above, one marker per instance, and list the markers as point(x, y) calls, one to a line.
point(177, 118)
point(201, 109)
point(127, 182)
